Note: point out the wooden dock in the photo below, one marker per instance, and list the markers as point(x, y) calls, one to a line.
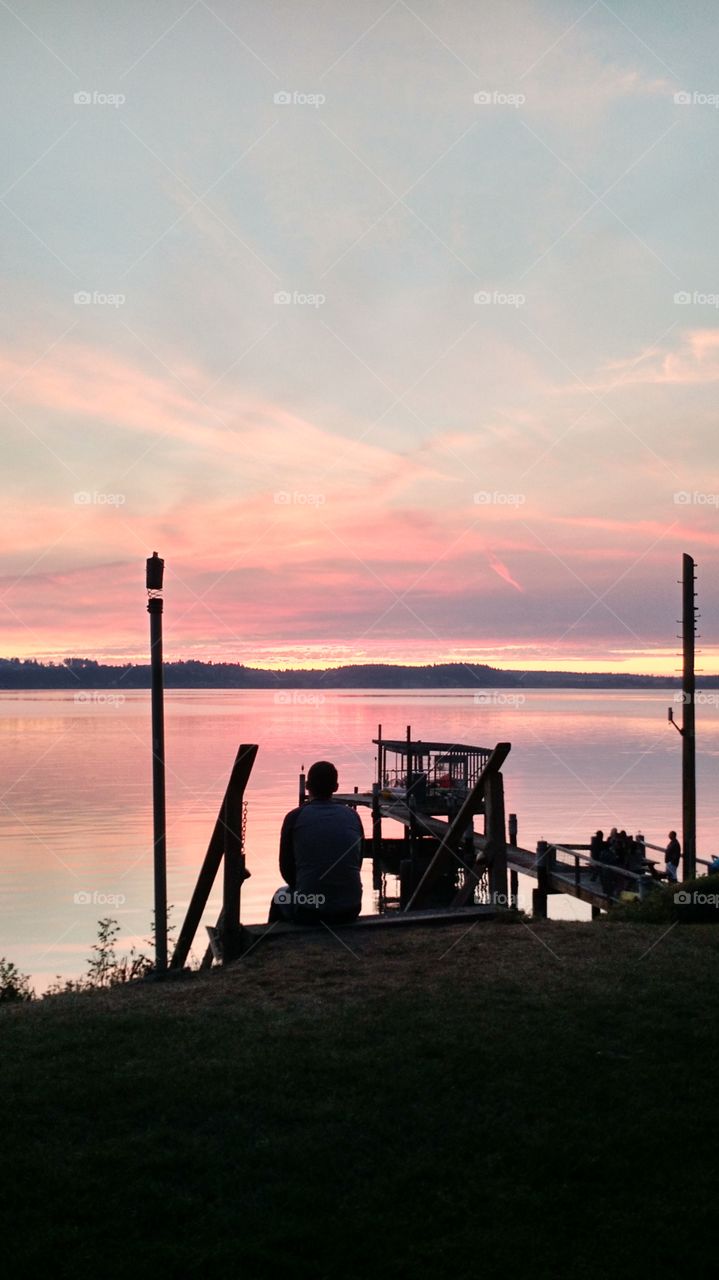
point(554, 868)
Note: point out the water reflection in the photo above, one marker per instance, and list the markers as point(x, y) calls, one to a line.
point(75, 805)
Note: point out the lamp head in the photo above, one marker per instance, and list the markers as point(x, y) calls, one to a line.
point(155, 570)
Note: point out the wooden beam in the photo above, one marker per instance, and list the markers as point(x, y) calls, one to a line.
point(239, 778)
point(495, 850)
point(455, 830)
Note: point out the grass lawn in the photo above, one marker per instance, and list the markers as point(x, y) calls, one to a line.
point(516, 1099)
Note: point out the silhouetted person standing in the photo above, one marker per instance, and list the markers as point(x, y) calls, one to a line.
point(673, 854)
point(320, 856)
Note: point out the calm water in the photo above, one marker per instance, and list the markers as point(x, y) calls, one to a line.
point(75, 795)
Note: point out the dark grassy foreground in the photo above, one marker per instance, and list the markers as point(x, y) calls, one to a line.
point(538, 1102)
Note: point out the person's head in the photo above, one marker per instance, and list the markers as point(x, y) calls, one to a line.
point(600, 835)
point(613, 831)
point(672, 835)
point(322, 781)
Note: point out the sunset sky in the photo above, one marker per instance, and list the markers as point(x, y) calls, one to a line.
point(483, 427)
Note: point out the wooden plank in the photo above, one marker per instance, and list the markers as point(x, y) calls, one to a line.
point(234, 860)
point(239, 777)
point(391, 920)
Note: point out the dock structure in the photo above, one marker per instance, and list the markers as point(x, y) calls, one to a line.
point(442, 869)
point(435, 790)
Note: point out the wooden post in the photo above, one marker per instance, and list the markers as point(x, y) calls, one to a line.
point(215, 850)
point(689, 801)
point(234, 872)
point(494, 830)
point(514, 889)
point(512, 823)
point(303, 787)
point(539, 895)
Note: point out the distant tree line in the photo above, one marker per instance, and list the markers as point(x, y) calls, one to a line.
point(86, 673)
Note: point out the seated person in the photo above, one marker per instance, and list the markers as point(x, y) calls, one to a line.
point(320, 857)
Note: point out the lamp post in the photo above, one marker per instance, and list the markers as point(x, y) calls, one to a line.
point(155, 570)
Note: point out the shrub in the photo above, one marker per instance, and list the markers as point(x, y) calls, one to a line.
point(13, 984)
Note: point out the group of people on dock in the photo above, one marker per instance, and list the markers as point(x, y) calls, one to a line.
point(622, 852)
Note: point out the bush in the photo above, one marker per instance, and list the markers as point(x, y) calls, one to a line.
point(104, 969)
point(662, 907)
point(13, 984)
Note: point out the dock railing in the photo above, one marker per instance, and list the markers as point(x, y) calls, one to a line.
point(576, 860)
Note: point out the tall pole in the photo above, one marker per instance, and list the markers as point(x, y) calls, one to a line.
point(155, 569)
point(689, 798)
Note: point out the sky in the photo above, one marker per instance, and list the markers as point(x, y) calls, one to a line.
point(393, 328)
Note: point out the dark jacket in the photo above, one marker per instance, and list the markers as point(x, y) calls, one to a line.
point(321, 856)
point(674, 852)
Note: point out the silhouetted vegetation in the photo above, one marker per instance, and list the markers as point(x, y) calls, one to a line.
point(14, 985)
point(79, 674)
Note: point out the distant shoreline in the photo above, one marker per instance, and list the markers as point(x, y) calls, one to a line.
point(86, 674)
